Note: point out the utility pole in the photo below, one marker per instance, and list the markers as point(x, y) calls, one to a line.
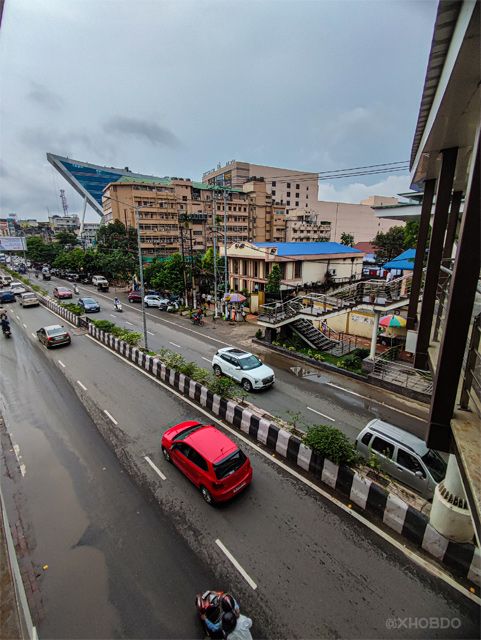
point(192, 277)
point(141, 270)
point(226, 269)
point(214, 230)
point(181, 228)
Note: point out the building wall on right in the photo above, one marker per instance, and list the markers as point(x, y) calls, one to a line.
point(357, 219)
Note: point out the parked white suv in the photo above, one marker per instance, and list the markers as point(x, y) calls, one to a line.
point(243, 367)
point(96, 280)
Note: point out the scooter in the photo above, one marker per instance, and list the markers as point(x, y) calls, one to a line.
point(209, 604)
point(118, 307)
point(199, 322)
point(75, 289)
point(7, 332)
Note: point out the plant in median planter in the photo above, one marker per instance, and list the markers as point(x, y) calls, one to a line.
point(330, 443)
point(76, 309)
point(259, 334)
point(103, 325)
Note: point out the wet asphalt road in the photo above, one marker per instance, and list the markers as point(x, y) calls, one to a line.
point(296, 388)
point(319, 573)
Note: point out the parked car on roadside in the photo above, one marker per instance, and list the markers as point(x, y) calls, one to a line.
point(209, 459)
point(402, 455)
point(53, 336)
point(89, 305)
point(96, 280)
point(243, 367)
point(155, 301)
point(62, 293)
point(134, 296)
point(29, 299)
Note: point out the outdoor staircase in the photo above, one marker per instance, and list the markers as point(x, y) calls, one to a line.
point(314, 338)
point(377, 294)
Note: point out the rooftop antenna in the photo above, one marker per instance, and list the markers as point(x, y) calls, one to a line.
point(63, 198)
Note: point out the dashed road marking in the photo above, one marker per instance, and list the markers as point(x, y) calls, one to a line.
point(110, 416)
point(155, 468)
point(174, 344)
point(34, 334)
point(18, 317)
point(151, 333)
point(24, 325)
point(112, 315)
point(321, 414)
point(242, 571)
point(127, 322)
point(414, 557)
point(61, 364)
point(207, 359)
point(82, 386)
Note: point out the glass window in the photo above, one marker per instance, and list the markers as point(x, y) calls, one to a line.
point(383, 447)
point(435, 464)
point(251, 362)
point(274, 183)
point(366, 438)
point(297, 186)
point(186, 432)
point(197, 459)
point(409, 462)
point(230, 464)
point(288, 194)
point(288, 202)
point(288, 185)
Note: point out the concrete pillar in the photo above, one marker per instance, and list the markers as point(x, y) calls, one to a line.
point(270, 334)
point(450, 514)
point(372, 353)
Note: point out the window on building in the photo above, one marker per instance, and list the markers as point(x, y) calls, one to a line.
point(288, 185)
point(298, 269)
point(274, 183)
point(288, 202)
point(297, 203)
point(297, 194)
point(184, 198)
point(297, 186)
point(255, 269)
point(273, 192)
point(288, 194)
point(307, 188)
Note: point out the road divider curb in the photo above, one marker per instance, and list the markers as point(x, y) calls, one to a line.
point(463, 560)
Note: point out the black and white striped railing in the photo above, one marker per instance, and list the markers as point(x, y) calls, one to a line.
point(463, 559)
point(59, 310)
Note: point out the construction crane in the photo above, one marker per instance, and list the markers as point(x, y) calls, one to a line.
point(63, 198)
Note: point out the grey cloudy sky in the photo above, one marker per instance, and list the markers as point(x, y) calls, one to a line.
point(173, 88)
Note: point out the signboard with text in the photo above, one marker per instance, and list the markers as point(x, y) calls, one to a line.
point(11, 243)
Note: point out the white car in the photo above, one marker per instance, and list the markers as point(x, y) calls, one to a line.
point(243, 367)
point(96, 280)
point(29, 300)
point(155, 301)
point(17, 288)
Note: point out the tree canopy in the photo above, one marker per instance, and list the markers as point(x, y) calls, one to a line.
point(347, 239)
point(274, 280)
point(390, 244)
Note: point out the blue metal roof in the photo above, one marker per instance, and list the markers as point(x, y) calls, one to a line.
point(307, 248)
point(404, 261)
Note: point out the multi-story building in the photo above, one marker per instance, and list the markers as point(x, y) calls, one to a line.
point(305, 226)
point(64, 223)
point(177, 215)
point(88, 237)
point(294, 189)
point(301, 263)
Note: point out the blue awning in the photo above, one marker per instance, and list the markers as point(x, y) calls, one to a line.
point(404, 261)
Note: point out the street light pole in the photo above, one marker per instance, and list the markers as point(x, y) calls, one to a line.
point(141, 272)
point(214, 227)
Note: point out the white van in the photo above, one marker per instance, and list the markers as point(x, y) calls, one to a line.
point(5, 280)
point(403, 456)
point(99, 280)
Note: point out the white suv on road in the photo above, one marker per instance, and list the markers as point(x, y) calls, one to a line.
point(243, 367)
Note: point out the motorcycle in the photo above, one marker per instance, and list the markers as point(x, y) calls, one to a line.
point(7, 332)
point(118, 307)
point(198, 321)
point(209, 604)
point(75, 290)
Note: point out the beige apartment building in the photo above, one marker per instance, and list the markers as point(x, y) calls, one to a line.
point(293, 189)
point(177, 215)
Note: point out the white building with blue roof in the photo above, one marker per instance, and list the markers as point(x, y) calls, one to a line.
point(301, 263)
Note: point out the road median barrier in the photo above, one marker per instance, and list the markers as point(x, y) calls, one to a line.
point(464, 560)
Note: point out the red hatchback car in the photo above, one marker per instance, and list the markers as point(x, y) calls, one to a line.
point(209, 459)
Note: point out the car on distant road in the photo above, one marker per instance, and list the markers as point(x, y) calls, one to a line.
point(7, 296)
point(53, 335)
point(155, 301)
point(29, 299)
point(96, 280)
point(243, 367)
point(89, 305)
point(134, 296)
point(62, 293)
point(211, 460)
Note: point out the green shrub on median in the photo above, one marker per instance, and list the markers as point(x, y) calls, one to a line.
point(130, 337)
point(76, 309)
point(330, 443)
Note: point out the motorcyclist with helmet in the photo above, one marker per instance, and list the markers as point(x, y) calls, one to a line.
point(5, 324)
point(227, 604)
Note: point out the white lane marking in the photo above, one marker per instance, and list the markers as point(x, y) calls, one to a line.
point(34, 335)
point(110, 416)
point(151, 333)
point(112, 315)
point(425, 564)
point(174, 344)
point(207, 359)
point(321, 414)
point(24, 325)
point(18, 317)
point(23, 468)
point(384, 404)
point(243, 573)
point(61, 364)
point(156, 469)
point(127, 322)
point(82, 386)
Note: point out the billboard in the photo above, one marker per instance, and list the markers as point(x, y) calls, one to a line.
point(11, 243)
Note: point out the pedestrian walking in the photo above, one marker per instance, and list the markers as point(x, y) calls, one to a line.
point(324, 327)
